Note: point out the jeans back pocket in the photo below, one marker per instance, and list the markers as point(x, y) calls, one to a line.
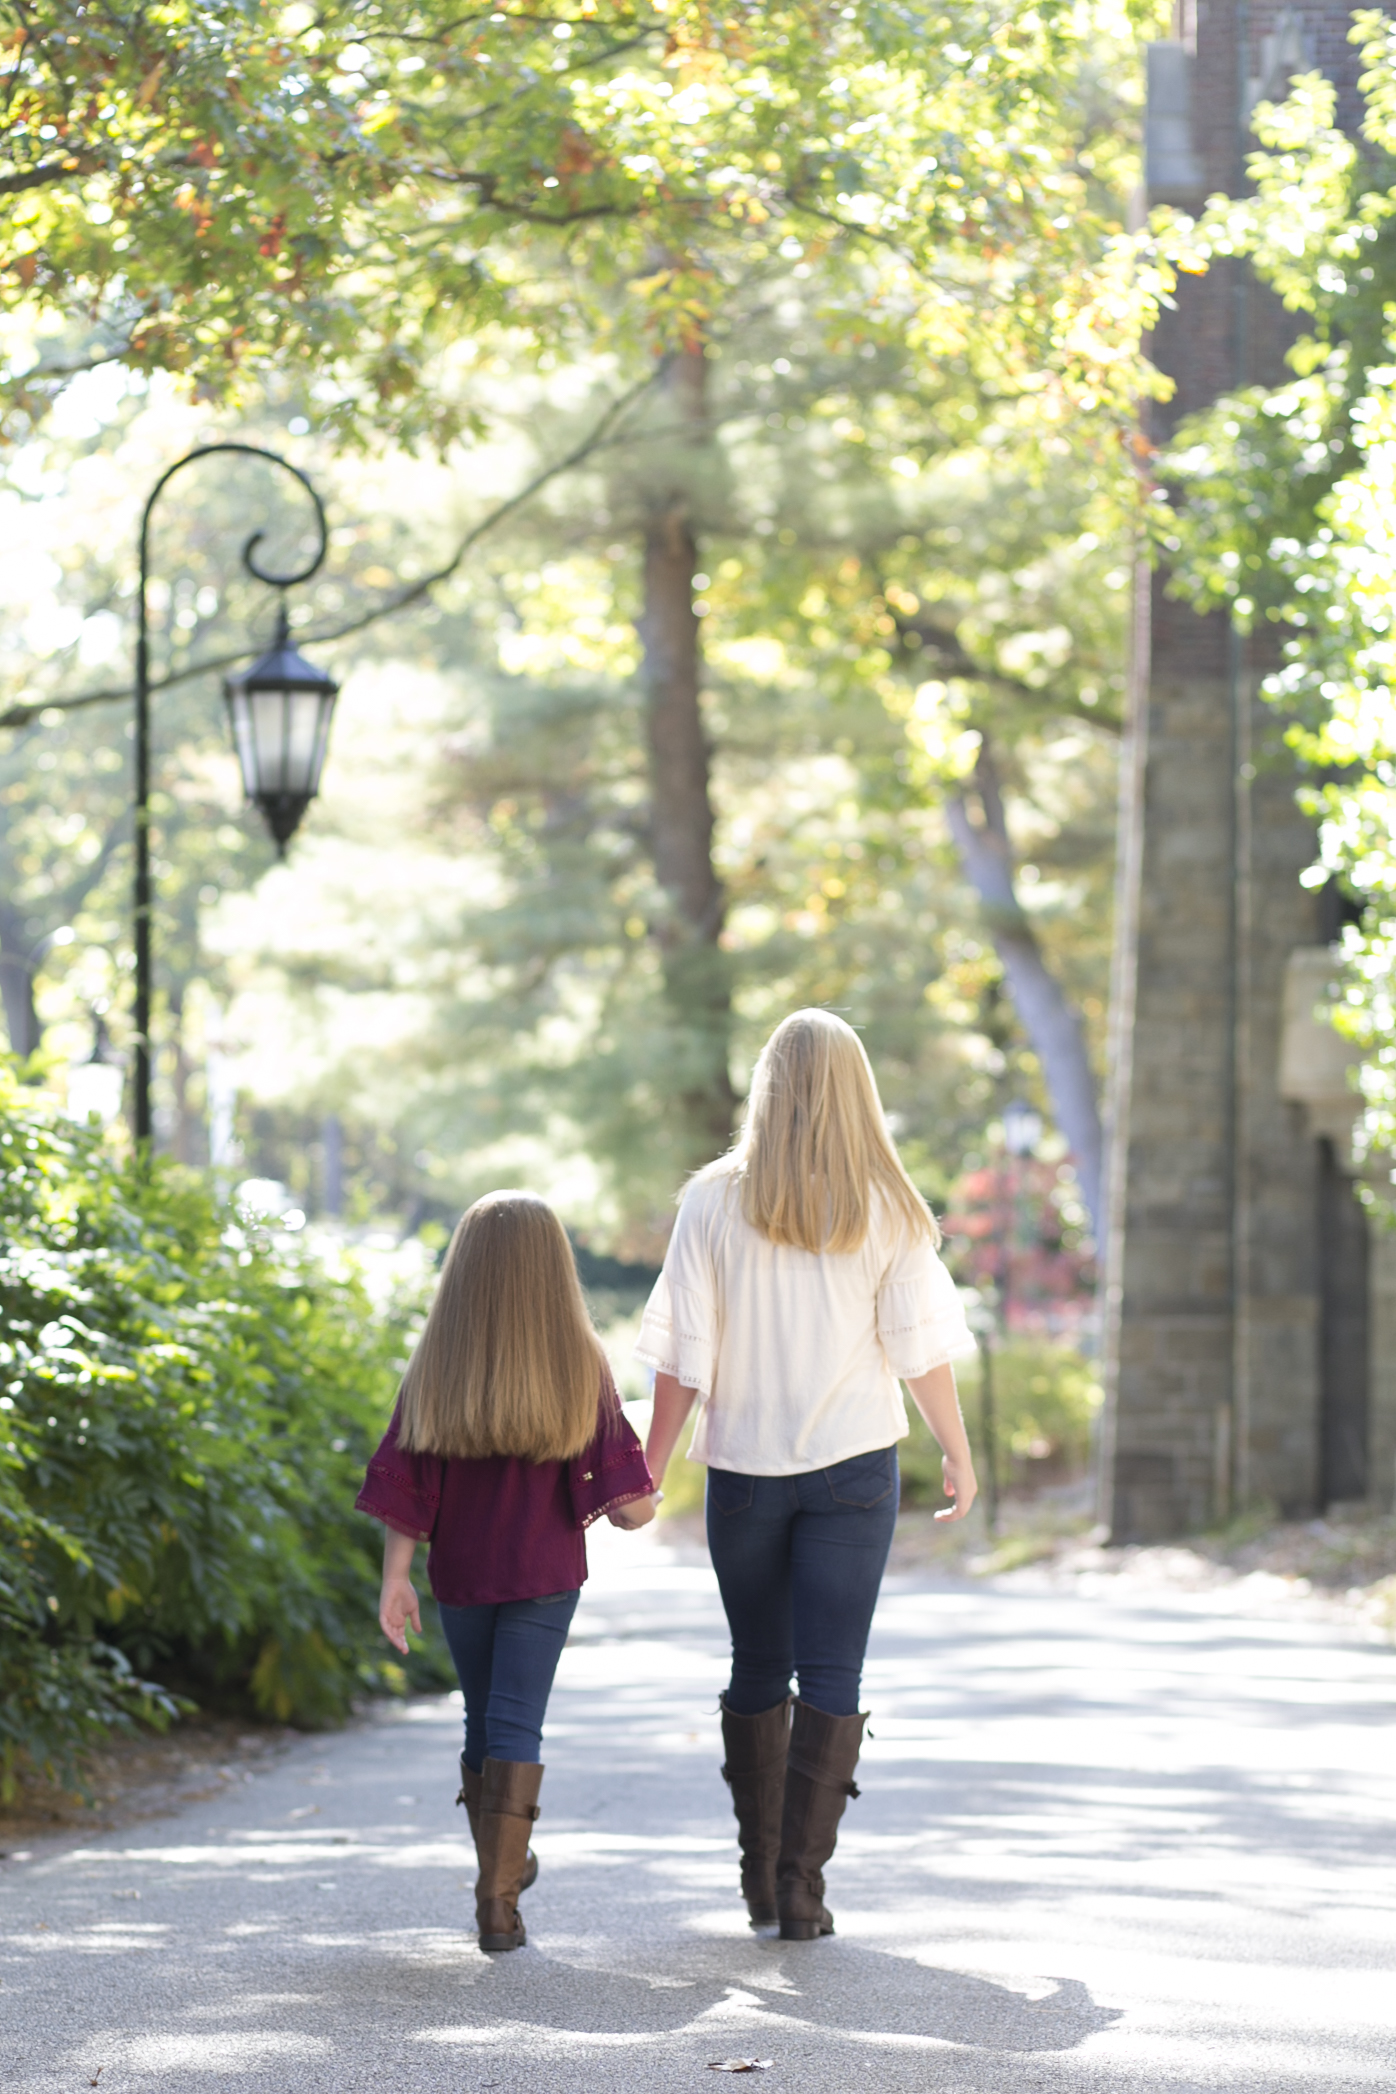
point(865, 1479)
point(729, 1491)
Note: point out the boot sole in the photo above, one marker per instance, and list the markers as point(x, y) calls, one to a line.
point(497, 1944)
point(803, 1930)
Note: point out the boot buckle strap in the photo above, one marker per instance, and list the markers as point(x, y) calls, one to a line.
point(514, 1810)
point(813, 1772)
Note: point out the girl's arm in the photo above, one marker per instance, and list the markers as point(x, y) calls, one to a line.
point(397, 1602)
point(937, 1399)
point(672, 1404)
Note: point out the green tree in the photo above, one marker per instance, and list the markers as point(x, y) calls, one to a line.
point(829, 686)
point(921, 213)
point(220, 192)
point(550, 1023)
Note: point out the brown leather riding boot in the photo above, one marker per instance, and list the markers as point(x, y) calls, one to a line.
point(818, 1783)
point(754, 1770)
point(508, 1807)
point(470, 1785)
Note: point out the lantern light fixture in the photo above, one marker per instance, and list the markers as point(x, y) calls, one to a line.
point(1022, 1128)
point(280, 712)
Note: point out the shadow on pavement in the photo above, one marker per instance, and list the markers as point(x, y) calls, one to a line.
point(743, 1993)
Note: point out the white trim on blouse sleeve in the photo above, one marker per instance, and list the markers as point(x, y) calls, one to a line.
point(920, 1319)
point(672, 1339)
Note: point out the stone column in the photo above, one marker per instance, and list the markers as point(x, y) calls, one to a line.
point(1213, 1308)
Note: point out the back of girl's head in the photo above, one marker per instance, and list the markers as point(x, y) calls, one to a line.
point(508, 1362)
point(814, 1143)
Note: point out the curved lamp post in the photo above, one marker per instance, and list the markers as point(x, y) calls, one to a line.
point(280, 713)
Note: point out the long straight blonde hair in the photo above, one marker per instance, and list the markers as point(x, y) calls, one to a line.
point(814, 1143)
point(508, 1362)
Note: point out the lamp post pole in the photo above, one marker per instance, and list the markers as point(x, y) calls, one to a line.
point(1022, 1130)
point(142, 897)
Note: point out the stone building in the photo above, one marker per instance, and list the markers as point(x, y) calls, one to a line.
point(1250, 1311)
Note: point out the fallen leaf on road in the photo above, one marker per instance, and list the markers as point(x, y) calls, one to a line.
point(741, 2064)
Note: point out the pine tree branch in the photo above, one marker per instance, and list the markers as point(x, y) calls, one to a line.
point(47, 172)
point(601, 433)
point(951, 658)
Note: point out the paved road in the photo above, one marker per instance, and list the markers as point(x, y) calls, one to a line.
point(1104, 1844)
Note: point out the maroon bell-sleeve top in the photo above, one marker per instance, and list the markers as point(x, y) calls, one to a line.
point(501, 1528)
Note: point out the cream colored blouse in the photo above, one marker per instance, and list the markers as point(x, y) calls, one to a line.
point(796, 1355)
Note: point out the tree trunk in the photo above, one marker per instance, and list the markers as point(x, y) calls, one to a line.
point(17, 989)
point(696, 976)
point(17, 945)
point(1047, 1017)
point(17, 981)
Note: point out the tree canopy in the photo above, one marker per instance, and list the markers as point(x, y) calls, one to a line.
point(350, 190)
point(829, 314)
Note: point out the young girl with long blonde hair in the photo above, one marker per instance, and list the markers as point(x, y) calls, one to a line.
point(800, 1285)
point(506, 1442)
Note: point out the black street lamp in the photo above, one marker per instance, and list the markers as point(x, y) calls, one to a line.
point(280, 712)
point(1022, 1131)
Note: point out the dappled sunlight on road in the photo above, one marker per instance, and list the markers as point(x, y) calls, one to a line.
point(1104, 1843)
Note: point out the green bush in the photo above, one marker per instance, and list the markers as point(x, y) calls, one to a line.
point(1046, 1399)
point(187, 1407)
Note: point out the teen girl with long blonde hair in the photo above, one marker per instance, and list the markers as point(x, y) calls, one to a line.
point(800, 1284)
point(506, 1442)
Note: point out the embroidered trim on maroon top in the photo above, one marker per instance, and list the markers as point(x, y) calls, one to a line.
point(501, 1528)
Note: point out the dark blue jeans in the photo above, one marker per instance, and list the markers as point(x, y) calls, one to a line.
point(799, 1560)
point(505, 1657)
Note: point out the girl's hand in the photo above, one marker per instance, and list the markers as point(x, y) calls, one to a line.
point(960, 1484)
point(638, 1513)
point(397, 1605)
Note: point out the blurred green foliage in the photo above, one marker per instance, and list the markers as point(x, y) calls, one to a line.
point(463, 962)
point(1046, 1400)
point(187, 1407)
point(906, 536)
point(343, 191)
point(684, 1482)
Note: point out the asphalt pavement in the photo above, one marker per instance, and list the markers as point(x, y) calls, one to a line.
point(1105, 1843)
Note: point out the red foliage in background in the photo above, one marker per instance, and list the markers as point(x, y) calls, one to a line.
point(1016, 1229)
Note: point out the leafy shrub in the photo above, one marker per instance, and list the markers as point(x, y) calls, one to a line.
point(187, 1407)
point(1046, 1399)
